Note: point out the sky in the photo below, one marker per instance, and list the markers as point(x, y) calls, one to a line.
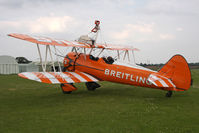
point(159, 28)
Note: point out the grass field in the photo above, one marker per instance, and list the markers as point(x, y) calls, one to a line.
point(32, 107)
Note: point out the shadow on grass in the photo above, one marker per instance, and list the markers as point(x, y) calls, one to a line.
point(110, 93)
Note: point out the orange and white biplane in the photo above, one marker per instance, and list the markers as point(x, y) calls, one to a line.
point(85, 64)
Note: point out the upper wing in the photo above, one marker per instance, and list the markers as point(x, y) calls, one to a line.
point(49, 41)
point(66, 43)
point(58, 77)
point(160, 81)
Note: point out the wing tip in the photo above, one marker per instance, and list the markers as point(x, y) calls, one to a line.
point(10, 34)
point(22, 76)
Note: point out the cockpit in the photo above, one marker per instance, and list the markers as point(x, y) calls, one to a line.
point(93, 58)
point(108, 60)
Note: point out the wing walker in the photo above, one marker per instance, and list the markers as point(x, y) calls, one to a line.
point(86, 63)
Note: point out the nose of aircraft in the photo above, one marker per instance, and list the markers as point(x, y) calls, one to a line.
point(66, 62)
point(69, 59)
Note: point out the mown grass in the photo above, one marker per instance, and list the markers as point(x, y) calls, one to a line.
point(28, 106)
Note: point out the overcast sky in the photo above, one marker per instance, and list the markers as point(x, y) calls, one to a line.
point(159, 28)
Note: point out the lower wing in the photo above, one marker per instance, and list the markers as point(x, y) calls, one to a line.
point(58, 77)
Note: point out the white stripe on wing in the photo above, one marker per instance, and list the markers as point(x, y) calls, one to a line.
point(31, 76)
point(79, 77)
point(89, 76)
point(50, 77)
point(67, 78)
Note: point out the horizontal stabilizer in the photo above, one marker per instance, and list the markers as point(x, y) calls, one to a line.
point(58, 77)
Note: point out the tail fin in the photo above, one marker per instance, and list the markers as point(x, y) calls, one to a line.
point(177, 70)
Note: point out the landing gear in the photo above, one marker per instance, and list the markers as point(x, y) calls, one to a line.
point(91, 86)
point(169, 94)
point(65, 92)
point(68, 88)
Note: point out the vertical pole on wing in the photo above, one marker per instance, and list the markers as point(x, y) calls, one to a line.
point(75, 50)
point(100, 52)
point(128, 56)
point(85, 53)
point(125, 54)
point(46, 55)
point(40, 58)
point(90, 51)
point(118, 54)
point(51, 58)
point(72, 49)
point(96, 37)
point(57, 59)
point(96, 31)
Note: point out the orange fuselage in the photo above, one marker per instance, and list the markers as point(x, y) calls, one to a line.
point(109, 72)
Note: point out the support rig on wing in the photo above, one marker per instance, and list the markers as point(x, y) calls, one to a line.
point(91, 86)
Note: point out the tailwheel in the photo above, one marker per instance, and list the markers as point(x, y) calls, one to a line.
point(91, 86)
point(169, 94)
point(68, 88)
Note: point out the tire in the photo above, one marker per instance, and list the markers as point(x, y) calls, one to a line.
point(169, 94)
point(91, 86)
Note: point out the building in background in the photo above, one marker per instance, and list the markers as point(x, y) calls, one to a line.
point(31, 67)
point(26, 66)
point(49, 66)
point(8, 65)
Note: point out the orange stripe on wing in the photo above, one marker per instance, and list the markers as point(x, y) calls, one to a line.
point(84, 76)
point(75, 79)
point(42, 77)
point(58, 77)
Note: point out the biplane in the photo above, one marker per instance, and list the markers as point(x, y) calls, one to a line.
point(83, 65)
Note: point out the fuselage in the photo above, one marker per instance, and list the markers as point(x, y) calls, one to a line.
point(116, 72)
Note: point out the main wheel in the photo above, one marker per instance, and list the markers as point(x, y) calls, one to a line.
point(65, 92)
point(169, 94)
point(91, 86)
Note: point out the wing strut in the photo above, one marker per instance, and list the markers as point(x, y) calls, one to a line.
point(125, 55)
point(85, 53)
point(100, 52)
point(90, 51)
point(51, 58)
point(44, 65)
point(57, 59)
point(40, 58)
point(46, 55)
point(118, 54)
point(128, 55)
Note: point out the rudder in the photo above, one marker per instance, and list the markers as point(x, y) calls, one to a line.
point(177, 70)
